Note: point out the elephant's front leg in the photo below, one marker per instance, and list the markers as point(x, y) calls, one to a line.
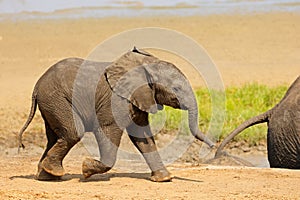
point(108, 139)
point(142, 138)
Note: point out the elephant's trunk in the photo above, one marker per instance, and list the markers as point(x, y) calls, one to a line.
point(193, 125)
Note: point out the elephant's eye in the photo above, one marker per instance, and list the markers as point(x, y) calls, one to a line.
point(175, 89)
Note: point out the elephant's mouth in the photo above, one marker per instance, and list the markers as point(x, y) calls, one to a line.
point(183, 107)
point(160, 107)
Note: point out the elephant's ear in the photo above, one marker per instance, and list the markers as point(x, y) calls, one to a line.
point(134, 85)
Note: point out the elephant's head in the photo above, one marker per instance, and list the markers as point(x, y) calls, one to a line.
point(149, 83)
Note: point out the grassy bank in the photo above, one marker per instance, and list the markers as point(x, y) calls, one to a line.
point(241, 103)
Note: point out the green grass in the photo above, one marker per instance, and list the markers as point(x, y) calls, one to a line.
point(246, 102)
point(241, 104)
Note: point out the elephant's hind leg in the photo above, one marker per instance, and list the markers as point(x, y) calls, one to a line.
point(67, 136)
point(108, 139)
point(53, 161)
point(91, 166)
point(52, 139)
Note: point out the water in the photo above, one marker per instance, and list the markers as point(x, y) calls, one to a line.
point(72, 9)
point(257, 160)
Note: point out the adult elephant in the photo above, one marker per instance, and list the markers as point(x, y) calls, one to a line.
point(76, 96)
point(283, 138)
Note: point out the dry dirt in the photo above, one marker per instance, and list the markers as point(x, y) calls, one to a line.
point(201, 182)
point(246, 48)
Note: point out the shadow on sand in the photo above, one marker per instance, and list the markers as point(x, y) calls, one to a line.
point(102, 177)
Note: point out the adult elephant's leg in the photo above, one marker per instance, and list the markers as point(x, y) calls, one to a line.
point(52, 139)
point(108, 139)
point(69, 129)
point(142, 138)
point(283, 140)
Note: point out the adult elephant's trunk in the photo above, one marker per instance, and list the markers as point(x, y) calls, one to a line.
point(254, 120)
point(193, 125)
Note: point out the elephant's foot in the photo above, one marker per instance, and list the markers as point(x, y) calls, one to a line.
point(45, 176)
point(91, 166)
point(42, 175)
point(53, 166)
point(161, 175)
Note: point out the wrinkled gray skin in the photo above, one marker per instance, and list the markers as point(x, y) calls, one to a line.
point(283, 137)
point(126, 91)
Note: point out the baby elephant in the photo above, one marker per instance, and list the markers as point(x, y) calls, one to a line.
point(76, 96)
point(283, 130)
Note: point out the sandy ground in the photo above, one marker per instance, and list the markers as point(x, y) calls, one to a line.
point(202, 182)
point(260, 48)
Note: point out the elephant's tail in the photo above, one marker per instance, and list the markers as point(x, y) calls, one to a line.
point(29, 119)
point(250, 122)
